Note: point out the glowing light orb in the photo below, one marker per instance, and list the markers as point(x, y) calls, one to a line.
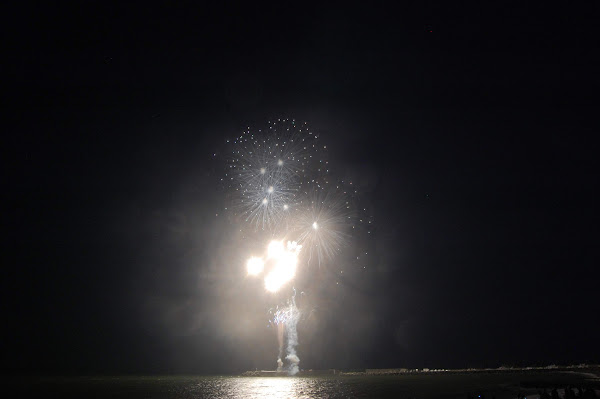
point(263, 171)
point(286, 207)
point(255, 266)
point(283, 272)
point(315, 225)
point(285, 263)
point(265, 201)
point(270, 189)
point(280, 162)
point(275, 249)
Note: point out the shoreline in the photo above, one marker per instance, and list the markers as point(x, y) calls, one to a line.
point(591, 371)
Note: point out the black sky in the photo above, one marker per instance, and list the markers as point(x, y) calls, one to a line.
point(471, 129)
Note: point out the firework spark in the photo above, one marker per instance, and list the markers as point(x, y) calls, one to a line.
point(268, 169)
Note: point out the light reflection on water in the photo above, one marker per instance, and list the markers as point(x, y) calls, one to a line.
point(272, 388)
point(264, 388)
point(300, 387)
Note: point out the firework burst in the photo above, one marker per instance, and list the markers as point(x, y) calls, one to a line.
point(268, 169)
point(321, 225)
point(280, 187)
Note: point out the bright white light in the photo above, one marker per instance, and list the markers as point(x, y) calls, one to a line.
point(265, 201)
point(280, 162)
point(315, 225)
point(263, 171)
point(283, 272)
point(270, 189)
point(255, 266)
point(278, 277)
point(275, 249)
point(285, 207)
point(286, 260)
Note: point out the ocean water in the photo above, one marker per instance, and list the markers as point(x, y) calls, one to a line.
point(361, 386)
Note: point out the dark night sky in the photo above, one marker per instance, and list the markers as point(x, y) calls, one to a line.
point(471, 129)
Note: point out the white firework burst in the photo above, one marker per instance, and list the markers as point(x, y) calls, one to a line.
point(268, 168)
point(323, 223)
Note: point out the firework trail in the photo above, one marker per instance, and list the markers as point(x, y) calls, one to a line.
point(286, 320)
point(292, 337)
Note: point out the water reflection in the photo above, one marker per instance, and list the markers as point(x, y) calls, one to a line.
point(299, 387)
point(272, 387)
point(254, 388)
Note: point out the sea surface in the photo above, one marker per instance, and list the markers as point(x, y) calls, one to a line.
point(334, 386)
